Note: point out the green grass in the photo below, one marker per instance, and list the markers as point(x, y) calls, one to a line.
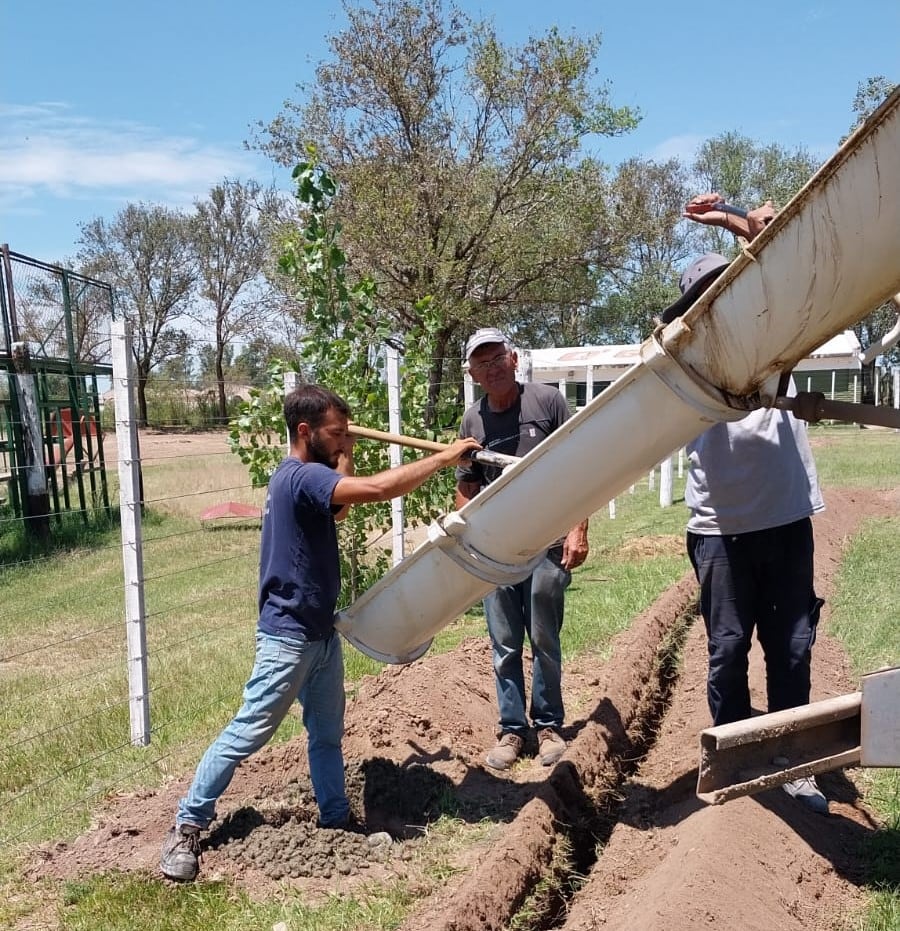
point(64, 720)
point(848, 456)
point(122, 902)
point(865, 617)
point(865, 611)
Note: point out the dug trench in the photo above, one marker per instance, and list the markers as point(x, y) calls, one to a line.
point(611, 837)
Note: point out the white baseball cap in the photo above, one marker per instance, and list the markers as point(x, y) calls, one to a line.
point(484, 337)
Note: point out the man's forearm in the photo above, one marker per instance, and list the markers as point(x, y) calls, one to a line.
point(392, 483)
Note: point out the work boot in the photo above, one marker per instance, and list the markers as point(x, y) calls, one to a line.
point(507, 751)
point(805, 790)
point(180, 857)
point(551, 746)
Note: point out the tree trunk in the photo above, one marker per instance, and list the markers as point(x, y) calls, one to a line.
point(220, 385)
point(142, 417)
point(436, 377)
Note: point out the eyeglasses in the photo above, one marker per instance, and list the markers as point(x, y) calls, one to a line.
point(477, 368)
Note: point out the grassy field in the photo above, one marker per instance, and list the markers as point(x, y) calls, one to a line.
point(64, 715)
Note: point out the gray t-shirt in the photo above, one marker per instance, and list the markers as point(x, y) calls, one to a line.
point(539, 410)
point(751, 474)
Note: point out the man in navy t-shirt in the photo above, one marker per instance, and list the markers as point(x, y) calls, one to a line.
point(298, 652)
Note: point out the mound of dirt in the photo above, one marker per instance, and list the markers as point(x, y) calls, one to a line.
point(762, 862)
point(415, 738)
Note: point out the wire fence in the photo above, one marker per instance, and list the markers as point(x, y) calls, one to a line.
point(69, 732)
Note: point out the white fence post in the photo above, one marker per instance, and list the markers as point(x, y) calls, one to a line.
point(468, 388)
point(665, 483)
point(398, 518)
point(132, 540)
point(291, 381)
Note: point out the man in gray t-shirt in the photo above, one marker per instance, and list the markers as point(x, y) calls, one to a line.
point(751, 489)
point(514, 418)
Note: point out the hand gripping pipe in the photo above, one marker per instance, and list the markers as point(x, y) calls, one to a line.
point(821, 265)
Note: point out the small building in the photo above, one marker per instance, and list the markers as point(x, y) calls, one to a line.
point(582, 372)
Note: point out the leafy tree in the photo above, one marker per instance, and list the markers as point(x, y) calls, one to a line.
point(460, 167)
point(648, 202)
point(40, 312)
point(146, 254)
point(747, 173)
point(179, 368)
point(231, 251)
point(251, 364)
point(213, 361)
point(870, 94)
point(343, 350)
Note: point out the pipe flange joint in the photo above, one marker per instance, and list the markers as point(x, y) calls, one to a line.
point(476, 563)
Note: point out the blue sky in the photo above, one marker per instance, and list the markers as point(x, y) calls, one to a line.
point(104, 103)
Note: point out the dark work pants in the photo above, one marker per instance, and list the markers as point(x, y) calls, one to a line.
point(764, 580)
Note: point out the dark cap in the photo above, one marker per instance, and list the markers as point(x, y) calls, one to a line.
point(695, 280)
point(484, 337)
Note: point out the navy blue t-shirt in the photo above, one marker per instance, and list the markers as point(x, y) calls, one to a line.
point(299, 568)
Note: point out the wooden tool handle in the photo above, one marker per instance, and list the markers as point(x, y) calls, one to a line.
point(485, 456)
point(398, 438)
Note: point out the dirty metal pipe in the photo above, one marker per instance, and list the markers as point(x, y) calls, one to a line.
point(484, 456)
point(756, 754)
point(813, 406)
point(887, 342)
point(746, 757)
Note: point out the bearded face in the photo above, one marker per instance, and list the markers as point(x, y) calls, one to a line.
point(323, 448)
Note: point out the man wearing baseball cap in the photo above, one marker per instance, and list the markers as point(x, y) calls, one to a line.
point(514, 418)
point(751, 489)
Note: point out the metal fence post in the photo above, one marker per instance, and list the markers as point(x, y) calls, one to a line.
point(132, 542)
point(291, 381)
point(35, 495)
point(398, 518)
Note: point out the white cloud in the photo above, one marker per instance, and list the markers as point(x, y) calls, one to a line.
point(45, 149)
point(684, 148)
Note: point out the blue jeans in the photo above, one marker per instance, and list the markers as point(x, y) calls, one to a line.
point(761, 580)
point(533, 607)
point(285, 669)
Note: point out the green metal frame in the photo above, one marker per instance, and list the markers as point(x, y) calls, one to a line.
point(77, 480)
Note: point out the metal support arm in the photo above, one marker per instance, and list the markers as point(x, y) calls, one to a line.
point(813, 407)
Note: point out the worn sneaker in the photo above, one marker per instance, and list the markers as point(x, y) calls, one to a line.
point(507, 751)
point(180, 857)
point(805, 790)
point(551, 746)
